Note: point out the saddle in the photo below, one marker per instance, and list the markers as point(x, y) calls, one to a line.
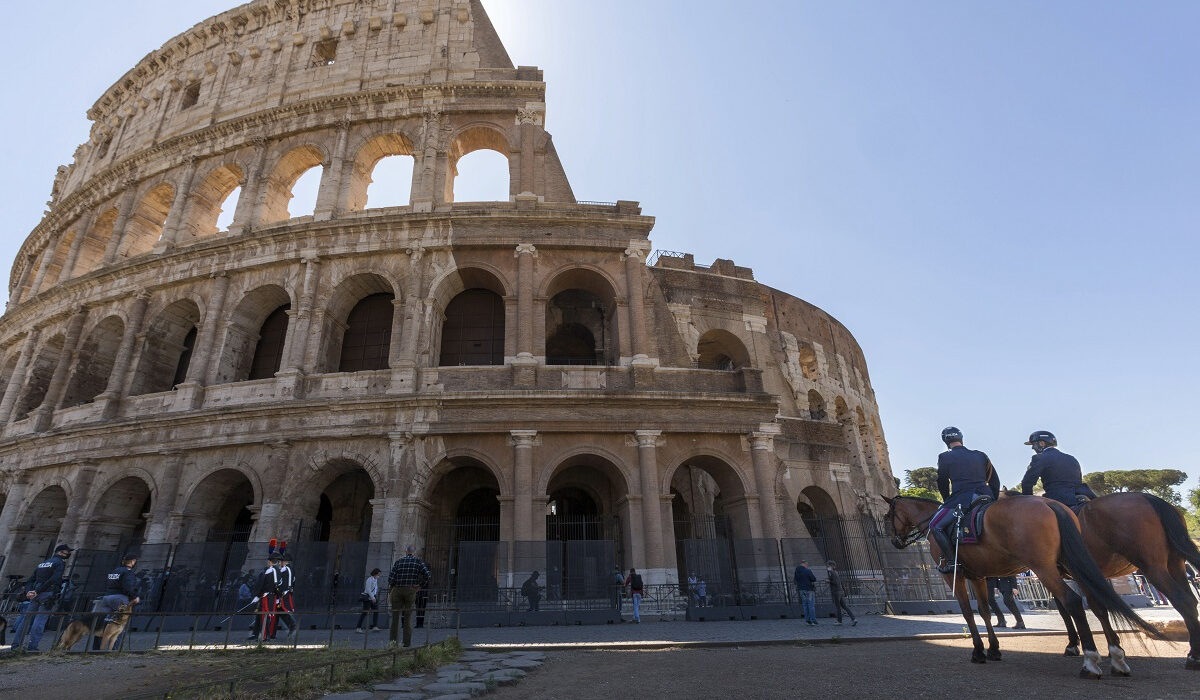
point(971, 527)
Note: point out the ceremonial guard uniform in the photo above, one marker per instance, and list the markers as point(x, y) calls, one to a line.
point(285, 603)
point(266, 594)
point(963, 476)
point(1061, 475)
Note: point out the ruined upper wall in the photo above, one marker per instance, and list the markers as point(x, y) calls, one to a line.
point(270, 53)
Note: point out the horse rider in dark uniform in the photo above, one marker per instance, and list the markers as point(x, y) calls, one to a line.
point(962, 477)
point(1061, 476)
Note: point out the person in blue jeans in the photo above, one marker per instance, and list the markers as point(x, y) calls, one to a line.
point(634, 581)
point(43, 587)
point(806, 582)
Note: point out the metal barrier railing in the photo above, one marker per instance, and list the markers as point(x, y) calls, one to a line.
point(202, 633)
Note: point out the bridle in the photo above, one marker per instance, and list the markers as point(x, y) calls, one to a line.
point(915, 534)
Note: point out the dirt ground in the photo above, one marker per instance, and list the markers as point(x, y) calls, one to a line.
point(893, 670)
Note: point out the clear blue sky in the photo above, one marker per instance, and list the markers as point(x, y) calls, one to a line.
point(1000, 200)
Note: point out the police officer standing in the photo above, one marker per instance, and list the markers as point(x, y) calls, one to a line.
point(1061, 475)
point(962, 476)
point(43, 587)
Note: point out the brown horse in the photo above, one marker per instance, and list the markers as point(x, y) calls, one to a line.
point(1019, 533)
point(1129, 531)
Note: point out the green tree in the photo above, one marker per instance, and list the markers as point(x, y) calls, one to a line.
point(1160, 482)
point(918, 492)
point(921, 478)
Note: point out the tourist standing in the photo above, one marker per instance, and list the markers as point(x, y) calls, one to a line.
point(806, 587)
point(370, 602)
point(407, 576)
point(838, 594)
point(634, 581)
point(532, 592)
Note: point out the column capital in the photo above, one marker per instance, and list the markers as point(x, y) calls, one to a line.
point(525, 249)
point(522, 438)
point(647, 438)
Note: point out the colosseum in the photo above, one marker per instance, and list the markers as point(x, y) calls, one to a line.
point(509, 385)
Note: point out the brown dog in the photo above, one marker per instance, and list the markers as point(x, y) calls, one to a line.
point(108, 633)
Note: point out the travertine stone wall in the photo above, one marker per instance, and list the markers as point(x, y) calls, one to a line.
point(134, 326)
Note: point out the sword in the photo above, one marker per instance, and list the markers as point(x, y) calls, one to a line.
point(247, 606)
point(958, 516)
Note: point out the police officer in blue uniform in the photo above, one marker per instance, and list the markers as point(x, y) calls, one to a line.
point(963, 476)
point(121, 588)
point(1061, 475)
point(43, 588)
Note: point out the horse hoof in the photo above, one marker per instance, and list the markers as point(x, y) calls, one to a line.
point(978, 657)
point(993, 655)
point(1088, 675)
point(1192, 664)
point(1071, 651)
point(1120, 674)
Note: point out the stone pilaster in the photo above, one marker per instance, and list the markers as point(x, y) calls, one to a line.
point(169, 473)
point(85, 474)
point(331, 179)
point(524, 364)
point(523, 442)
point(58, 381)
point(114, 391)
point(17, 381)
point(118, 230)
point(762, 454)
point(647, 442)
point(190, 393)
point(177, 216)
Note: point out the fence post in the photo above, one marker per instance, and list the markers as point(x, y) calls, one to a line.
point(158, 635)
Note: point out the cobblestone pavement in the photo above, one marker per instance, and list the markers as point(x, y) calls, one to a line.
point(476, 673)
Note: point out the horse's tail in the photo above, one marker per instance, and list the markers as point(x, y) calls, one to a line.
point(1175, 529)
point(1074, 556)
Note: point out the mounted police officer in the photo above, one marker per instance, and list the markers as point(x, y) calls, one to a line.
point(963, 476)
point(42, 589)
point(1061, 476)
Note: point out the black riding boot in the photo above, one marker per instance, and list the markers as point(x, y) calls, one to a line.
point(944, 544)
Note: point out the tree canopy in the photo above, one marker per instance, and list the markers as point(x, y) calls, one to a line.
point(1160, 482)
point(921, 478)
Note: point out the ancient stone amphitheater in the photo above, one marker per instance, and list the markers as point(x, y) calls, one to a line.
point(440, 372)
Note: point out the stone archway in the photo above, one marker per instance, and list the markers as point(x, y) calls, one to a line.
point(119, 518)
point(586, 505)
point(35, 534)
point(219, 509)
point(821, 519)
point(463, 530)
point(709, 494)
point(343, 509)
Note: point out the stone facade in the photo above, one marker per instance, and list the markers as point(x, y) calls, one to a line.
point(359, 373)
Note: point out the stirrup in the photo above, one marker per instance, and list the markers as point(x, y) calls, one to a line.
point(947, 567)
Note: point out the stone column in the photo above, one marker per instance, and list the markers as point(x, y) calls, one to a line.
point(85, 223)
point(639, 343)
point(85, 474)
point(8, 516)
point(328, 192)
point(58, 381)
point(118, 229)
point(647, 442)
point(300, 326)
point(17, 296)
point(762, 453)
point(270, 511)
point(17, 380)
point(530, 120)
point(191, 392)
point(175, 217)
point(47, 256)
point(246, 214)
point(523, 442)
point(524, 364)
point(110, 400)
point(164, 503)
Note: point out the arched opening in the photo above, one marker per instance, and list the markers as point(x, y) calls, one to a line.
point(807, 357)
point(118, 521)
point(819, 513)
point(709, 496)
point(145, 224)
point(585, 507)
point(473, 330)
point(581, 320)
point(721, 350)
point(368, 337)
point(94, 243)
point(255, 335)
point(55, 271)
point(462, 538)
point(94, 362)
point(342, 512)
point(816, 405)
point(167, 351)
point(286, 196)
point(382, 174)
point(479, 167)
point(211, 201)
point(218, 509)
point(37, 382)
point(34, 536)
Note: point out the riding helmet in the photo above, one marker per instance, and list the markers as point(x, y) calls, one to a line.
point(1042, 436)
point(951, 434)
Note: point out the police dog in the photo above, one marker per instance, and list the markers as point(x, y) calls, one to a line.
point(108, 633)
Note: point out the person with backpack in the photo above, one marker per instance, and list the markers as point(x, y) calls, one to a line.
point(634, 581)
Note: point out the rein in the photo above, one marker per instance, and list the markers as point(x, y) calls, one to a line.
point(915, 534)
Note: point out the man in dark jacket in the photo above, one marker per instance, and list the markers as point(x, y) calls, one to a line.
point(962, 477)
point(1061, 475)
point(532, 592)
point(120, 588)
point(43, 588)
point(407, 577)
point(838, 594)
point(806, 582)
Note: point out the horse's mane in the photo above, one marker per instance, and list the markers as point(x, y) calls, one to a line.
point(923, 500)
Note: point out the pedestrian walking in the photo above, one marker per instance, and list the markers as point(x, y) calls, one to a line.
point(285, 603)
point(532, 592)
point(265, 593)
point(618, 588)
point(1006, 585)
point(407, 576)
point(838, 594)
point(634, 582)
point(370, 602)
point(42, 590)
point(806, 586)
